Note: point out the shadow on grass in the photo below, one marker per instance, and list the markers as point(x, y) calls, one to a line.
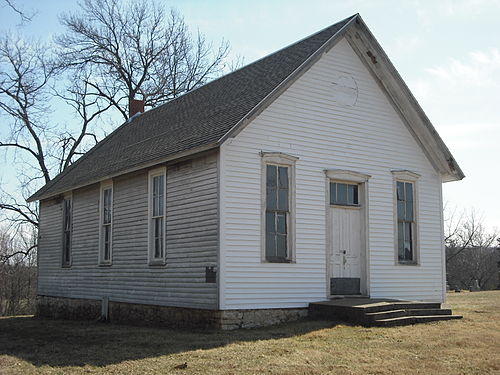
point(60, 343)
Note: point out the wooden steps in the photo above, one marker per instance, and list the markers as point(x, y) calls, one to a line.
point(380, 312)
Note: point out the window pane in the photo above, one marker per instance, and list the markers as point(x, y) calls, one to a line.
point(67, 215)
point(157, 247)
point(283, 199)
point(66, 247)
point(107, 239)
point(352, 194)
point(400, 191)
point(270, 222)
point(409, 191)
point(155, 196)
point(407, 231)
point(107, 206)
point(158, 227)
point(408, 256)
point(158, 237)
point(156, 209)
point(342, 193)
point(161, 194)
point(281, 247)
point(401, 210)
point(281, 223)
point(66, 240)
point(283, 177)
point(409, 211)
point(271, 176)
point(270, 244)
point(333, 192)
point(271, 188)
point(271, 199)
point(401, 241)
point(155, 186)
point(408, 240)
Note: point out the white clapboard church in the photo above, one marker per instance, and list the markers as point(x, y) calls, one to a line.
point(309, 174)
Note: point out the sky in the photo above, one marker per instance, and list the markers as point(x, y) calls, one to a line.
point(448, 53)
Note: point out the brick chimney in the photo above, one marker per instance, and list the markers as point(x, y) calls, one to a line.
point(135, 106)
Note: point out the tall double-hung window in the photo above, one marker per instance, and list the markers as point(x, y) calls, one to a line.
point(278, 210)
point(406, 221)
point(67, 231)
point(157, 215)
point(106, 224)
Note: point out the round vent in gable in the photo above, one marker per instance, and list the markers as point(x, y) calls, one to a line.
point(345, 89)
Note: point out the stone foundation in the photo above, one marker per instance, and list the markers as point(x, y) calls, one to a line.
point(165, 316)
point(67, 308)
point(234, 319)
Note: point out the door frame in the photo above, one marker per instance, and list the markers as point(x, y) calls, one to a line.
point(352, 177)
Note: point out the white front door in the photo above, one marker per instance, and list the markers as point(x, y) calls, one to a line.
point(346, 245)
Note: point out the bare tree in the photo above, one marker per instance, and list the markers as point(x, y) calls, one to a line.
point(111, 52)
point(17, 272)
point(25, 16)
point(466, 230)
point(472, 255)
point(24, 79)
point(37, 145)
point(137, 48)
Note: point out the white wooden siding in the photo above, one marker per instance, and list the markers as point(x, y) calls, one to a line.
point(368, 137)
point(192, 241)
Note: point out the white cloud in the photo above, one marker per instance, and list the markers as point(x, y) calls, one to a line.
point(479, 68)
point(452, 9)
point(460, 96)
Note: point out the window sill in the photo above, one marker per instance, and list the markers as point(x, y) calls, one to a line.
point(107, 264)
point(66, 265)
point(157, 263)
point(352, 206)
point(278, 261)
point(407, 263)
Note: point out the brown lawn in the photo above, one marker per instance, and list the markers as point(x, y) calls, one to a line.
point(467, 346)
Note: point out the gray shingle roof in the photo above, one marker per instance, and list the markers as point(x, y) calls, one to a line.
point(198, 118)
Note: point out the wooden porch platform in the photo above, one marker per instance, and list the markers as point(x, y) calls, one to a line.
point(380, 311)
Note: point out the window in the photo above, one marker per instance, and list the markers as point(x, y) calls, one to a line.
point(67, 229)
point(106, 224)
point(278, 207)
point(404, 191)
point(157, 213)
point(406, 222)
point(277, 212)
point(344, 194)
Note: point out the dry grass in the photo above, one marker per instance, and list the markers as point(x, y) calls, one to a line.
point(467, 346)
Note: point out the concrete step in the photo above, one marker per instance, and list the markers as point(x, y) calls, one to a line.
point(407, 320)
point(379, 307)
point(429, 312)
point(385, 315)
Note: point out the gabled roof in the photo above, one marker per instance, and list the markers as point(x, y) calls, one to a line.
point(203, 118)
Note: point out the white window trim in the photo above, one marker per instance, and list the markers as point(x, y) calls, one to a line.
point(343, 175)
point(70, 262)
point(104, 186)
point(285, 160)
point(151, 260)
point(404, 175)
